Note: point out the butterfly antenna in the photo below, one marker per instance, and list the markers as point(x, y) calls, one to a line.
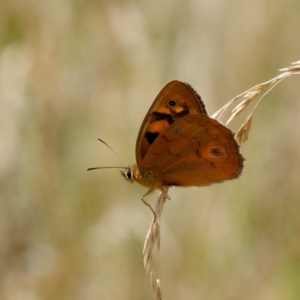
point(96, 168)
point(113, 151)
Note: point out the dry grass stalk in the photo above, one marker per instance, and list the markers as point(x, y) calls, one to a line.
point(248, 96)
point(243, 100)
point(152, 239)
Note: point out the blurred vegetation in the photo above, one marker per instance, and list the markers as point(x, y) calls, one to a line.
point(73, 71)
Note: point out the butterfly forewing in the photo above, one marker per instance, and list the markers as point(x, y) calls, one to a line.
point(176, 100)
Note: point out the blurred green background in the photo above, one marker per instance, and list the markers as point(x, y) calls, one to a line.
point(75, 71)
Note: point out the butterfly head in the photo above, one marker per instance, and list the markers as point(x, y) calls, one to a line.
point(146, 178)
point(128, 174)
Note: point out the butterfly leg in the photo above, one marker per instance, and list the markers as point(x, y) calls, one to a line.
point(164, 191)
point(146, 203)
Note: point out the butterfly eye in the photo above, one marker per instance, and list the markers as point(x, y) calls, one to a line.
point(172, 103)
point(176, 131)
point(128, 174)
point(215, 152)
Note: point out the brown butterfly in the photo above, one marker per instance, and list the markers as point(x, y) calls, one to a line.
point(180, 145)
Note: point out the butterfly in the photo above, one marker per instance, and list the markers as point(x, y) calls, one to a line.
point(180, 145)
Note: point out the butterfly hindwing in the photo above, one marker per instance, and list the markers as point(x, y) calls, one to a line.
point(196, 150)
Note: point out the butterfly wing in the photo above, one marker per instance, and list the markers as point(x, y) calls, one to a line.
point(194, 151)
point(176, 100)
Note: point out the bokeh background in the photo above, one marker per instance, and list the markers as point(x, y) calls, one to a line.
point(75, 71)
